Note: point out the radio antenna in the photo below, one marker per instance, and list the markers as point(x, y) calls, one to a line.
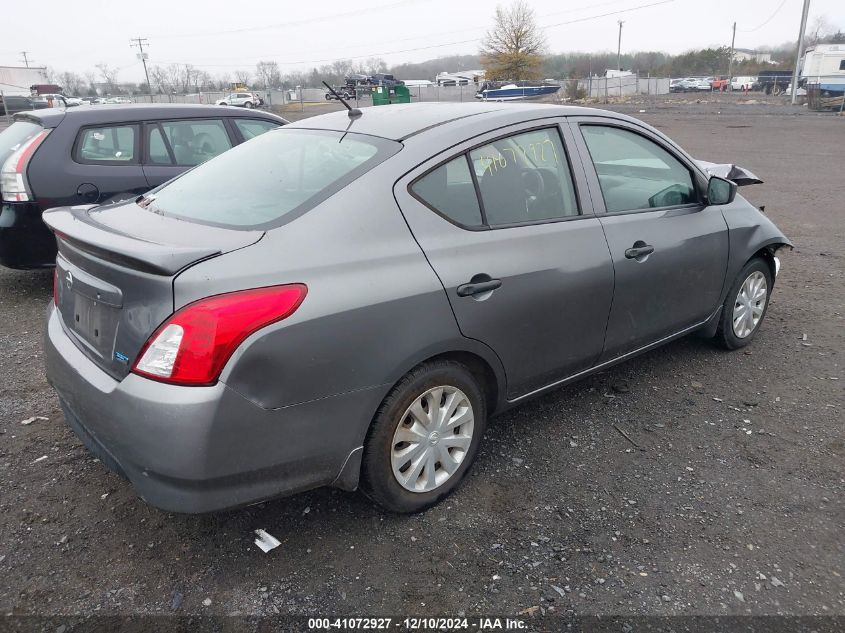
point(354, 113)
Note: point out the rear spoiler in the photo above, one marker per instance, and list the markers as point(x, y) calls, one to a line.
point(735, 173)
point(74, 226)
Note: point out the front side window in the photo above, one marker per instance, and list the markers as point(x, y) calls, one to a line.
point(636, 173)
point(525, 178)
point(114, 144)
point(449, 190)
point(258, 184)
point(194, 142)
point(250, 128)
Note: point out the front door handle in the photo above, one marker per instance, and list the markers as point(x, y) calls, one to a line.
point(478, 287)
point(639, 249)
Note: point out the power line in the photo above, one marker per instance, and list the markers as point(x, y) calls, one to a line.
point(431, 35)
point(432, 46)
point(25, 59)
point(769, 19)
point(266, 27)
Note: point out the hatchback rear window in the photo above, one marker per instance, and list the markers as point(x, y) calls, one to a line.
point(273, 178)
point(14, 136)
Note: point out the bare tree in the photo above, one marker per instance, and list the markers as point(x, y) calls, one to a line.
point(71, 83)
point(513, 49)
point(817, 30)
point(268, 75)
point(109, 75)
point(243, 77)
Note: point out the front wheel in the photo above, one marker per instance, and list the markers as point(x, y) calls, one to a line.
point(424, 437)
point(745, 305)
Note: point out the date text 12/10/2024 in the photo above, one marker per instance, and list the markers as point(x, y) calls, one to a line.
point(417, 624)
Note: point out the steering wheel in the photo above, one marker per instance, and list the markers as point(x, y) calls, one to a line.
point(533, 185)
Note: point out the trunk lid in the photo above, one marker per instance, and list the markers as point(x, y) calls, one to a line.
point(115, 270)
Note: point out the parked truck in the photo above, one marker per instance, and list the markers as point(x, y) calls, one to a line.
point(774, 81)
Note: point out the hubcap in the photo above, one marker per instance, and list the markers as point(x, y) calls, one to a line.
point(432, 439)
point(749, 305)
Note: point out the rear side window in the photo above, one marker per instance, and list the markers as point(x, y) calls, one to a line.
point(525, 178)
point(250, 128)
point(114, 144)
point(272, 178)
point(449, 190)
point(194, 142)
point(14, 136)
point(635, 172)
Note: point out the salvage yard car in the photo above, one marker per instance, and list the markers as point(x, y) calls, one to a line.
point(346, 300)
point(100, 155)
point(240, 99)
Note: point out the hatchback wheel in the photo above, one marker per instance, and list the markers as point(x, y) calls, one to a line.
point(745, 305)
point(424, 437)
point(248, 105)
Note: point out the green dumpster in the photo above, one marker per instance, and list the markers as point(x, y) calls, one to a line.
point(384, 95)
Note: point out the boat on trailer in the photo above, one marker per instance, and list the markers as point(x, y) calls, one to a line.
point(514, 92)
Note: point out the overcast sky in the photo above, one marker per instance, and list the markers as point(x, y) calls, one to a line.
point(226, 36)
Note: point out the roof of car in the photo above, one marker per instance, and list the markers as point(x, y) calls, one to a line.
point(84, 115)
point(400, 121)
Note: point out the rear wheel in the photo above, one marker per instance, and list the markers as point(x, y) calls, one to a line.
point(249, 105)
point(745, 305)
point(424, 437)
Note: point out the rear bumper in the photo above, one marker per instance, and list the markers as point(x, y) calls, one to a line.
point(201, 449)
point(25, 241)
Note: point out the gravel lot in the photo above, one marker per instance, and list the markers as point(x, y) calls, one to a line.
point(731, 501)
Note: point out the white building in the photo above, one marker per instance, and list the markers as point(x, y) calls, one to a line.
point(745, 54)
point(460, 78)
point(16, 80)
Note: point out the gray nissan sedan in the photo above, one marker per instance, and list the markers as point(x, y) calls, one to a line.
point(347, 300)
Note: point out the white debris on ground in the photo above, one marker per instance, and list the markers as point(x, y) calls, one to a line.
point(266, 541)
point(29, 421)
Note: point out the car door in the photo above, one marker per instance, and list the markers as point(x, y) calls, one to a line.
point(505, 224)
point(172, 147)
point(106, 164)
point(669, 250)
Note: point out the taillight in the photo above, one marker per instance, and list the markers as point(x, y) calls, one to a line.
point(194, 344)
point(13, 183)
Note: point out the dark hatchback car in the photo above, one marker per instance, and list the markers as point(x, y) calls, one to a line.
point(57, 157)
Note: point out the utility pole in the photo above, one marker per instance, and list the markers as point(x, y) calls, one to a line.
point(799, 51)
point(139, 43)
point(25, 58)
point(731, 61)
point(619, 48)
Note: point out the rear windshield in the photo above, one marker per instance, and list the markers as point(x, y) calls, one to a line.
point(14, 136)
point(271, 179)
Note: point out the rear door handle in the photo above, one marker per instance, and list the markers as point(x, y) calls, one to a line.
point(477, 288)
point(639, 249)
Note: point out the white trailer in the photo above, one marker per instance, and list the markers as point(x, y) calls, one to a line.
point(824, 61)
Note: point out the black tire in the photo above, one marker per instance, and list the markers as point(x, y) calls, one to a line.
point(725, 335)
point(377, 479)
point(248, 105)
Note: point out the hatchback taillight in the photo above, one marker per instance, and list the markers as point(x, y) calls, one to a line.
point(194, 344)
point(14, 186)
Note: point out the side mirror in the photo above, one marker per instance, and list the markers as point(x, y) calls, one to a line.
point(720, 191)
